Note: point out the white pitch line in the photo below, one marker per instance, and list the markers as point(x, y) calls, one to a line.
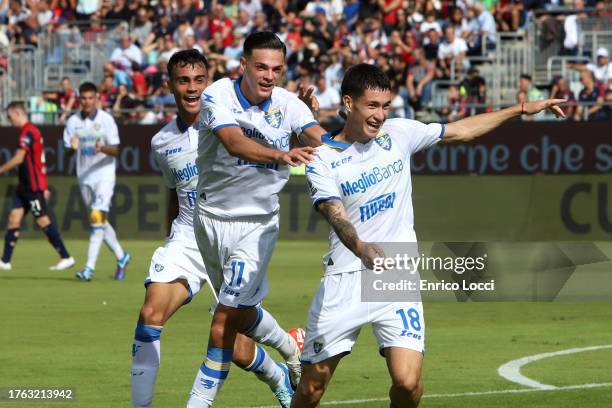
point(464, 394)
point(511, 371)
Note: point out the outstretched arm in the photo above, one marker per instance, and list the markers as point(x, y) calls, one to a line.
point(334, 212)
point(472, 127)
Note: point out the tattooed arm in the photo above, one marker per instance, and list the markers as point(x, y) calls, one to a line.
point(334, 212)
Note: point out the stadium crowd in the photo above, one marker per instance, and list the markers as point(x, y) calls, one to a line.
point(415, 42)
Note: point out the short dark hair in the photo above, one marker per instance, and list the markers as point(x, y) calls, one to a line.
point(263, 40)
point(361, 77)
point(87, 87)
point(526, 76)
point(184, 58)
point(16, 105)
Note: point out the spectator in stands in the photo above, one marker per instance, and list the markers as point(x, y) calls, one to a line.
point(329, 100)
point(455, 108)
point(526, 85)
point(430, 23)
point(601, 69)
point(473, 90)
point(234, 50)
point(44, 15)
point(452, 51)
point(126, 53)
point(85, 9)
point(458, 21)
point(560, 90)
point(120, 11)
point(510, 14)
point(250, 7)
point(124, 103)
point(570, 27)
point(418, 80)
point(141, 27)
point(432, 44)
point(139, 83)
point(107, 93)
point(482, 29)
point(221, 24)
point(163, 97)
point(120, 77)
point(244, 24)
point(593, 94)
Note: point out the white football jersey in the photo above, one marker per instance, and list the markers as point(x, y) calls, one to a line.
point(373, 182)
point(174, 148)
point(232, 187)
point(99, 126)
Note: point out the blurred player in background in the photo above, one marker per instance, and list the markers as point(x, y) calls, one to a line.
point(177, 270)
point(243, 158)
point(360, 182)
point(31, 189)
point(93, 135)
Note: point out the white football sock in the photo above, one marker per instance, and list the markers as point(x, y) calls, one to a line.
point(110, 238)
point(265, 368)
point(265, 330)
point(210, 377)
point(145, 364)
point(95, 242)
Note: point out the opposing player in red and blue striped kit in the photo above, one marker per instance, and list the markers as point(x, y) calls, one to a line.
point(30, 192)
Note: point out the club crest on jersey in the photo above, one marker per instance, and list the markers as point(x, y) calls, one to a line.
point(384, 141)
point(317, 347)
point(274, 118)
point(97, 127)
point(158, 267)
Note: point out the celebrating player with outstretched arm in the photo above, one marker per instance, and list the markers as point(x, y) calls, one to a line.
point(366, 143)
point(30, 192)
point(243, 158)
point(93, 135)
point(177, 270)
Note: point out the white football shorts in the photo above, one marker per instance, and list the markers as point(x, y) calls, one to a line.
point(98, 195)
point(179, 259)
point(337, 315)
point(236, 253)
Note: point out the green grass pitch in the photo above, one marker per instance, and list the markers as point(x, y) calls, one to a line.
point(59, 332)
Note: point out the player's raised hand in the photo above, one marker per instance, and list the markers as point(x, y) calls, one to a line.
point(308, 98)
point(552, 105)
point(369, 252)
point(297, 156)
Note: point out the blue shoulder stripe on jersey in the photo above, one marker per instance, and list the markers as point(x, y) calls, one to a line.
point(243, 100)
point(321, 199)
point(328, 139)
point(222, 126)
point(309, 124)
point(442, 131)
point(182, 126)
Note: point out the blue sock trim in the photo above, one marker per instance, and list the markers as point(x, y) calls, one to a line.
point(260, 355)
point(219, 355)
point(209, 372)
point(256, 322)
point(146, 333)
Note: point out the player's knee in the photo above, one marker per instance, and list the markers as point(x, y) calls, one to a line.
point(97, 218)
point(151, 315)
point(410, 385)
point(311, 390)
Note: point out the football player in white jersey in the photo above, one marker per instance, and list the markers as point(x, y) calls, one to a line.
point(244, 156)
point(93, 135)
point(177, 270)
point(360, 182)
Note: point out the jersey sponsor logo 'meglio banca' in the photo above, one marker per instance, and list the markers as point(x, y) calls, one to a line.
point(376, 206)
point(186, 173)
point(371, 178)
